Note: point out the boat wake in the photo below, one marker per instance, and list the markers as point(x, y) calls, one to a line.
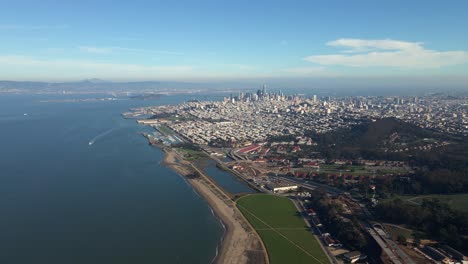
point(103, 134)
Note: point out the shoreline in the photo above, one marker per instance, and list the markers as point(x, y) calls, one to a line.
point(240, 243)
point(222, 237)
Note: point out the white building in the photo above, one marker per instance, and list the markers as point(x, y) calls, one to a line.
point(281, 187)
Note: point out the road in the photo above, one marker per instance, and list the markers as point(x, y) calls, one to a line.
point(313, 186)
point(389, 247)
point(235, 173)
point(396, 249)
point(302, 210)
point(383, 245)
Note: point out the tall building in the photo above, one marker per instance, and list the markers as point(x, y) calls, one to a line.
point(264, 90)
point(315, 98)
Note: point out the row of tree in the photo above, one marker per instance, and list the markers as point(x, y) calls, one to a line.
point(347, 230)
point(440, 181)
point(432, 217)
point(187, 145)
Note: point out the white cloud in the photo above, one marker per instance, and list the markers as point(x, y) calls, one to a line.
point(239, 67)
point(95, 50)
point(17, 67)
point(388, 53)
point(307, 71)
point(107, 50)
point(13, 67)
point(359, 45)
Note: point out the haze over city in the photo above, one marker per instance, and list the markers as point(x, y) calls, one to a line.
point(289, 43)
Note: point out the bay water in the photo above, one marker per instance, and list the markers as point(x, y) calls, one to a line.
point(63, 200)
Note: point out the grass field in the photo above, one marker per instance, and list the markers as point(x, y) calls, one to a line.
point(190, 154)
point(165, 130)
point(359, 170)
point(394, 231)
point(456, 201)
point(286, 236)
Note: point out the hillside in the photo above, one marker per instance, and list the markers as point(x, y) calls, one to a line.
point(442, 160)
point(394, 139)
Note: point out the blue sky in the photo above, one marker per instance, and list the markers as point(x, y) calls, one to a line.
point(230, 40)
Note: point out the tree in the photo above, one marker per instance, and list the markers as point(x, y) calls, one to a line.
point(416, 239)
point(401, 239)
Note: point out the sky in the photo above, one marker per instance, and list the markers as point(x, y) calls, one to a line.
point(233, 40)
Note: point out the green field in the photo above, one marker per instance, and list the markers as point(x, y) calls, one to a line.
point(165, 130)
point(191, 154)
point(394, 231)
point(282, 229)
point(456, 201)
point(359, 170)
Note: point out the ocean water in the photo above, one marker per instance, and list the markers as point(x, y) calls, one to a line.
point(65, 201)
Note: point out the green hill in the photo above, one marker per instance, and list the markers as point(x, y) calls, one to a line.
point(443, 163)
point(388, 138)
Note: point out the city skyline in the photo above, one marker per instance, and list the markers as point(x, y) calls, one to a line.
point(209, 41)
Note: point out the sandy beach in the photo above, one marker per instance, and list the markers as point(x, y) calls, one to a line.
point(240, 244)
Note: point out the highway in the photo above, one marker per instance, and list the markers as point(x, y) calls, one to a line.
point(235, 173)
point(383, 245)
point(394, 248)
point(312, 186)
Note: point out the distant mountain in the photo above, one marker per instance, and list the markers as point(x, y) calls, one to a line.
point(98, 85)
point(95, 80)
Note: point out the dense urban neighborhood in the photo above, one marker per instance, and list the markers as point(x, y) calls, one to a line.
point(342, 161)
point(253, 117)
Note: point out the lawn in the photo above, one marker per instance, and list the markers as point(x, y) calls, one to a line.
point(359, 170)
point(191, 154)
point(165, 130)
point(456, 201)
point(282, 229)
point(394, 231)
